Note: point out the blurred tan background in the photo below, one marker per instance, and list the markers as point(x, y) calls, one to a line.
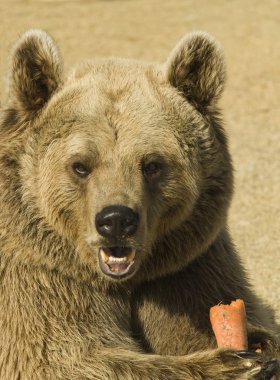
point(249, 31)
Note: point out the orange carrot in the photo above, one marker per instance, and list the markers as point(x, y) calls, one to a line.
point(229, 325)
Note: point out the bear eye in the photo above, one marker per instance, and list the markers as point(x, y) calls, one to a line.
point(152, 170)
point(80, 169)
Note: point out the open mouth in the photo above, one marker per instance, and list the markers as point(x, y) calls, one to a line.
point(117, 261)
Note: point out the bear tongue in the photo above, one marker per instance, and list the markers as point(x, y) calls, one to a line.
point(118, 267)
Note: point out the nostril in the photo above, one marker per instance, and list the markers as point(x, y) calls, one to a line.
point(106, 227)
point(129, 226)
point(103, 224)
point(130, 229)
point(106, 223)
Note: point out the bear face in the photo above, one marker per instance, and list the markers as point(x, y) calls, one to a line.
point(122, 157)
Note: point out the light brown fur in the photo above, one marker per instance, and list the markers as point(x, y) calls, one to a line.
point(60, 316)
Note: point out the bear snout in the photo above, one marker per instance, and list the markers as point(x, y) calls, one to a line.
point(117, 222)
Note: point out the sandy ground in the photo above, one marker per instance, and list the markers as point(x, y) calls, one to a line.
point(249, 32)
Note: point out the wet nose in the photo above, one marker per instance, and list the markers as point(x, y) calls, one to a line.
point(116, 221)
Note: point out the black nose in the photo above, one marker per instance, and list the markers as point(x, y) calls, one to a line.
point(116, 222)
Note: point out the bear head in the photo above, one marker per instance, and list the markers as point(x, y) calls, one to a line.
point(122, 168)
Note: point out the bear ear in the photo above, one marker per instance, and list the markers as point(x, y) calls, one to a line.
point(36, 70)
point(196, 68)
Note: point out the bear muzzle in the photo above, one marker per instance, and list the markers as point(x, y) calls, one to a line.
point(117, 223)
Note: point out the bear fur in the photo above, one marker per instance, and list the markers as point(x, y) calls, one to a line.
point(147, 137)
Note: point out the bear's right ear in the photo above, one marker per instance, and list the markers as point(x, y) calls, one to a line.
point(196, 68)
point(36, 71)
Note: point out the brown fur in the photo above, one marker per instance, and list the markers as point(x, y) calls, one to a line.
point(60, 316)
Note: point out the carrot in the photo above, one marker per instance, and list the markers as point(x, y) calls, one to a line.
point(229, 325)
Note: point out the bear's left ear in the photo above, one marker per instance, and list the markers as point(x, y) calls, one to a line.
point(36, 71)
point(196, 68)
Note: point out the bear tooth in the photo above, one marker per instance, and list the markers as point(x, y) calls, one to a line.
point(131, 256)
point(112, 259)
point(105, 257)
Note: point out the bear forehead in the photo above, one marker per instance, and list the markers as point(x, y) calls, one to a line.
point(127, 100)
point(116, 79)
point(119, 85)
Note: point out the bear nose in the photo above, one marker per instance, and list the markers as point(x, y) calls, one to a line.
point(116, 221)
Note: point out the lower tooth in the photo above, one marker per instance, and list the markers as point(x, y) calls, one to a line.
point(117, 259)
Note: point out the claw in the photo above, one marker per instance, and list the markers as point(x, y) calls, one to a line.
point(249, 355)
point(266, 368)
point(271, 369)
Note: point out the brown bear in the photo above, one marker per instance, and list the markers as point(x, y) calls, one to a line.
point(115, 184)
